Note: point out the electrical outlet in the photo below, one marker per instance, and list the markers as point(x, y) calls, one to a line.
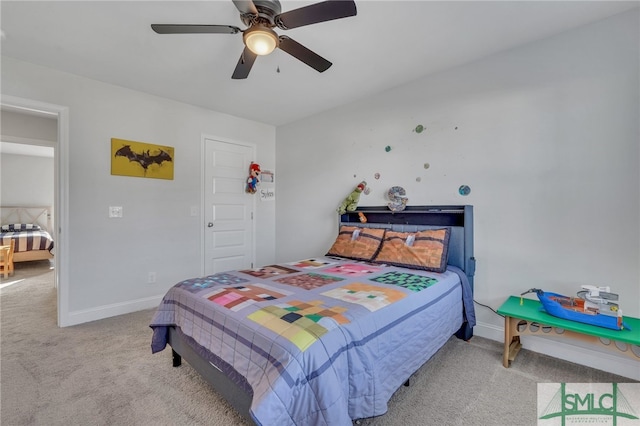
point(151, 279)
point(115, 211)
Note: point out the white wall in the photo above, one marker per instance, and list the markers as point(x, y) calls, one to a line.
point(545, 135)
point(27, 170)
point(29, 128)
point(26, 180)
point(109, 259)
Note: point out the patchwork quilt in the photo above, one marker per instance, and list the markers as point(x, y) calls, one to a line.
point(318, 341)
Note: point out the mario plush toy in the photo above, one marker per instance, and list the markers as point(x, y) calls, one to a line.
point(351, 202)
point(252, 182)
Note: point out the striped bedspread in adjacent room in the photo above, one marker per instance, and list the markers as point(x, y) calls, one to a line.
point(28, 240)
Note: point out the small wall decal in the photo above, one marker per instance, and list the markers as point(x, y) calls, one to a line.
point(426, 165)
point(387, 148)
point(267, 194)
point(464, 190)
point(377, 176)
point(419, 128)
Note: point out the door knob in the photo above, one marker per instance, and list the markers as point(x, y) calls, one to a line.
point(210, 224)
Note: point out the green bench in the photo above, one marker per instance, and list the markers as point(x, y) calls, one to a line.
point(526, 316)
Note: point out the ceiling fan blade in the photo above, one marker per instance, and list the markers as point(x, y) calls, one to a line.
point(194, 29)
point(305, 55)
point(318, 12)
point(246, 6)
point(244, 64)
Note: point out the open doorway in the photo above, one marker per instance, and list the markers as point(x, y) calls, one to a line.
point(33, 147)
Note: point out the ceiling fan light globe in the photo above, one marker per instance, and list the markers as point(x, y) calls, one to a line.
point(261, 41)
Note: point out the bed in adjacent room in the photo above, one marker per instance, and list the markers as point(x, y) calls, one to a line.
point(30, 228)
point(328, 340)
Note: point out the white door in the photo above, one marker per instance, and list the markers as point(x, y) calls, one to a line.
point(229, 242)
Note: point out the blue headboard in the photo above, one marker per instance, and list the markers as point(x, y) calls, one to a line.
point(416, 218)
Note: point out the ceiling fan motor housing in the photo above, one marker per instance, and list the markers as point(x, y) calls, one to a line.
point(267, 11)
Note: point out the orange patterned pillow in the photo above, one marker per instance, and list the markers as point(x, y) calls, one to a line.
point(363, 246)
point(426, 249)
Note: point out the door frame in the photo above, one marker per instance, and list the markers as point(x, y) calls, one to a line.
point(60, 196)
point(203, 221)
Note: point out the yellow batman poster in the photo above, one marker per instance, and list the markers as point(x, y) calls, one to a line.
point(139, 159)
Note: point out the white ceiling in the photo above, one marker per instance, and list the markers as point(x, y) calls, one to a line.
point(388, 43)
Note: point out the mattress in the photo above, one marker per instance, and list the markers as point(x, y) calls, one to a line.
point(317, 341)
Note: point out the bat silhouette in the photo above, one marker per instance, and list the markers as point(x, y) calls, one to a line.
point(144, 159)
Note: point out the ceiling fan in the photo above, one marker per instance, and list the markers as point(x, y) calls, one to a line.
point(261, 16)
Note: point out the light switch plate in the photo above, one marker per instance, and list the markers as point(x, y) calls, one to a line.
point(115, 211)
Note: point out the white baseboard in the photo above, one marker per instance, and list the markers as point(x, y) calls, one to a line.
point(107, 311)
point(579, 353)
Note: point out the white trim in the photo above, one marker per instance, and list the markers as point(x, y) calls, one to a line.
point(203, 139)
point(489, 331)
point(35, 111)
point(112, 310)
point(61, 191)
point(585, 355)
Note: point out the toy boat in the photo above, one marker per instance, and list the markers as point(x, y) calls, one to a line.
point(594, 306)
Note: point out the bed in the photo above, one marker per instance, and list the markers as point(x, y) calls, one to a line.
point(328, 340)
point(30, 227)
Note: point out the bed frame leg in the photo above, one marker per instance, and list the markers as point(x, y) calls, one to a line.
point(177, 359)
point(465, 332)
point(407, 382)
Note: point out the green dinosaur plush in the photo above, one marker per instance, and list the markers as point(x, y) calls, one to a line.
point(351, 202)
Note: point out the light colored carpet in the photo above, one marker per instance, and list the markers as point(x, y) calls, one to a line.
point(103, 373)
